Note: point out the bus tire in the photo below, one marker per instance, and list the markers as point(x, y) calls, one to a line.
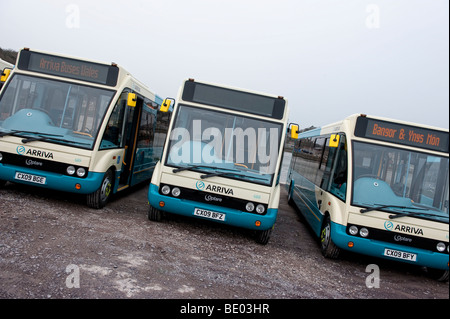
point(327, 246)
point(263, 236)
point(100, 197)
point(154, 214)
point(438, 274)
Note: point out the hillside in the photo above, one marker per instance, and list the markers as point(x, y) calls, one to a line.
point(8, 55)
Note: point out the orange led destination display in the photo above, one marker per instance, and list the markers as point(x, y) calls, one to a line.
point(69, 68)
point(402, 134)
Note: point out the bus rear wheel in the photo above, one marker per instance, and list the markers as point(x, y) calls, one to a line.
point(100, 197)
point(328, 248)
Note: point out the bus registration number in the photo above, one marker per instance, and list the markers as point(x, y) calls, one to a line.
point(400, 254)
point(30, 178)
point(209, 214)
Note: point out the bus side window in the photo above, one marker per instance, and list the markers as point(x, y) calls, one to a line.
point(112, 136)
point(322, 152)
point(339, 181)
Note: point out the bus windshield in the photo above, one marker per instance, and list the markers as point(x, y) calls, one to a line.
point(404, 182)
point(59, 112)
point(224, 144)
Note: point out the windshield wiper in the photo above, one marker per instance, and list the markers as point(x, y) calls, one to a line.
point(10, 133)
point(229, 174)
point(398, 215)
point(387, 206)
point(186, 168)
point(42, 138)
point(46, 138)
point(20, 132)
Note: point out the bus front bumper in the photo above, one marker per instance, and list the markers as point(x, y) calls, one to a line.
point(231, 216)
point(54, 181)
point(386, 250)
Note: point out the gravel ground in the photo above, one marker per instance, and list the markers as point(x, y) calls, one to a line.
point(53, 246)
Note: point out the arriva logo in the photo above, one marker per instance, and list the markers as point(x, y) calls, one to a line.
point(213, 188)
point(402, 228)
point(200, 185)
point(388, 225)
point(20, 150)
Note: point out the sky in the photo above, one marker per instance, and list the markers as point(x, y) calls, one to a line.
point(329, 58)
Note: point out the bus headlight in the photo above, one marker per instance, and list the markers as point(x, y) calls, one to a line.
point(364, 232)
point(353, 230)
point(260, 209)
point(165, 190)
point(176, 192)
point(440, 247)
point(250, 206)
point(81, 172)
point(70, 170)
point(1, 157)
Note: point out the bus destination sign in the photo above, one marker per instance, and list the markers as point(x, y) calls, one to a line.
point(402, 134)
point(69, 68)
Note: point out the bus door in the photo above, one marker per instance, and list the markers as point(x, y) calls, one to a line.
point(130, 130)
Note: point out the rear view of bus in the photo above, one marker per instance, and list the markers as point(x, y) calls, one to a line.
point(78, 126)
point(222, 158)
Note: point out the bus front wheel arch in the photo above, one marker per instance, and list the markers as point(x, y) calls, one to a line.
point(327, 246)
point(101, 196)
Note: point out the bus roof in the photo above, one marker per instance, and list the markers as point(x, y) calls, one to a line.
point(96, 72)
point(234, 99)
point(235, 88)
point(4, 64)
point(387, 130)
point(338, 126)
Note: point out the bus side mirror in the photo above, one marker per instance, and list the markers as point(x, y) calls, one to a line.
point(166, 105)
point(294, 131)
point(334, 140)
point(132, 98)
point(5, 75)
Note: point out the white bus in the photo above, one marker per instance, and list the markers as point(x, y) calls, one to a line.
point(222, 158)
point(78, 126)
point(376, 186)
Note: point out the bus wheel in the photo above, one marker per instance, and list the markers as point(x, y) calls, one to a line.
point(438, 274)
point(154, 214)
point(328, 248)
point(100, 197)
point(263, 236)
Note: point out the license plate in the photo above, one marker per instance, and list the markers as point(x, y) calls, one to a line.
point(400, 254)
point(209, 214)
point(30, 178)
